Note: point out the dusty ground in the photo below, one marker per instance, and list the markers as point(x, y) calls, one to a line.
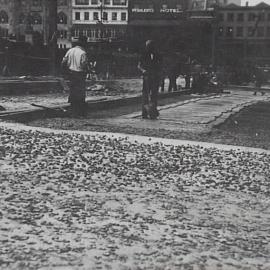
point(248, 128)
point(78, 201)
point(104, 89)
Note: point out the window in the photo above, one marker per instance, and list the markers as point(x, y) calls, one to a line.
point(92, 33)
point(36, 19)
point(22, 18)
point(62, 18)
point(221, 17)
point(94, 2)
point(240, 17)
point(251, 17)
point(229, 31)
point(164, 6)
point(22, 2)
point(86, 16)
point(107, 2)
point(77, 16)
point(96, 17)
point(88, 33)
point(62, 34)
point(119, 2)
point(62, 2)
point(114, 16)
point(268, 31)
point(260, 31)
point(76, 33)
point(82, 2)
point(3, 17)
point(239, 31)
point(268, 17)
point(96, 33)
point(220, 31)
point(261, 17)
point(106, 33)
point(123, 16)
point(251, 31)
point(3, 32)
point(36, 3)
point(230, 17)
point(105, 16)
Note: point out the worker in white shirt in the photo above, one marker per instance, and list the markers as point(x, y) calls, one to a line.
point(76, 63)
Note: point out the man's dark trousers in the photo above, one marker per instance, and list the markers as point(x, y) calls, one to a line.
point(77, 93)
point(172, 83)
point(150, 93)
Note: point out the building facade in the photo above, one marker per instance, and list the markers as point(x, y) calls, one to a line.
point(244, 31)
point(160, 20)
point(64, 23)
point(19, 18)
point(156, 10)
point(7, 23)
point(100, 20)
point(210, 4)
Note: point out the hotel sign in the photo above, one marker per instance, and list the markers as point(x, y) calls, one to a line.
point(151, 10)
point(171, 10)
point(143, 10)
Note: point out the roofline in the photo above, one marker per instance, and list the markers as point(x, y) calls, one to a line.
point(260, 6)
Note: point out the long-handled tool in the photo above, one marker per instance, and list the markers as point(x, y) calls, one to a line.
point(48, 108)
point(63, 109)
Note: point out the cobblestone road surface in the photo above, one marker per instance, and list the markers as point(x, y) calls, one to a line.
point(99, 201)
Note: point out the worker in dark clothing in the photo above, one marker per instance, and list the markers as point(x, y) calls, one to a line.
point(171, 63)
point(172, 79)
point(150, 65)
point(258, 81)
point(187, 72)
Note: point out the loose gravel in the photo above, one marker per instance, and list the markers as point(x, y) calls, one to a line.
point(93, 201)
point(103, 89)
point(250, 127)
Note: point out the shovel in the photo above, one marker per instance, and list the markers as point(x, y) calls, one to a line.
point(48, 108)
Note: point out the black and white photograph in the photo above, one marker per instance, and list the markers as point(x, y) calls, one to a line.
point(134, 134)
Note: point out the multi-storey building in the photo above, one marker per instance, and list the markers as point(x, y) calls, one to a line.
point(100, 20)
point(155, 19)
point(6, 17)
point(157, 9)
point(210, 4)
point(64, 23)
point(228, 2)
point(243, 31)
point(19, 18)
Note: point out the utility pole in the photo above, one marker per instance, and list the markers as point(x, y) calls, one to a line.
point(214, 26)
point(101, 19)
point(52, 19)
